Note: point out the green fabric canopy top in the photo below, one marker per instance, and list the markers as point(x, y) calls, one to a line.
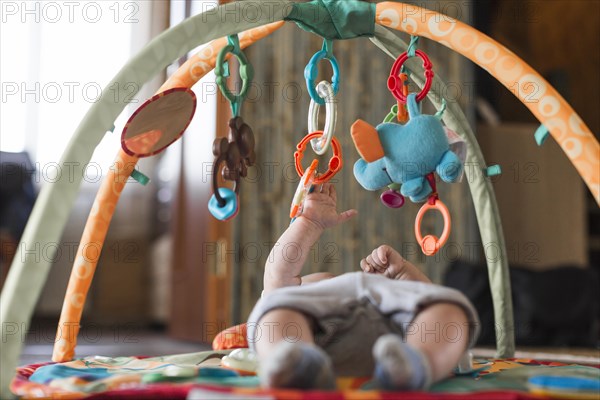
point(335, 19)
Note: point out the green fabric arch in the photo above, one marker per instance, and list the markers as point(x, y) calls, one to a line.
point(28, 273)
point(482, 191)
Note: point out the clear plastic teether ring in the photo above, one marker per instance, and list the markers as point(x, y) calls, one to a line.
point(325, 91)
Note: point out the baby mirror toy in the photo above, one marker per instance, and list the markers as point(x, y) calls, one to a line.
point(158, 122)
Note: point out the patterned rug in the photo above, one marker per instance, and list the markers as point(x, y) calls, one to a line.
point(201, 376)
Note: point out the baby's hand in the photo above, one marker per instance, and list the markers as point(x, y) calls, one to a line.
point(383, 260)
point(388, 262)
point(320, 207)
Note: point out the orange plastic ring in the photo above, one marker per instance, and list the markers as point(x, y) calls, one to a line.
point(335, 162)
point(430, 244)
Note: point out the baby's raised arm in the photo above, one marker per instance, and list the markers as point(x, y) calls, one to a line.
point(285, 262)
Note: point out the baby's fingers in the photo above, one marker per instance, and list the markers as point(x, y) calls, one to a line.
point(365, 266)
point(379, 257)
point(375, 264)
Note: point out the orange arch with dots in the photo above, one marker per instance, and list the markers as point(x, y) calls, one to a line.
point(548, 106)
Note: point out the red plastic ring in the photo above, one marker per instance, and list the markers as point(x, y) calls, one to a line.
point(335, 162)
point(395, 83)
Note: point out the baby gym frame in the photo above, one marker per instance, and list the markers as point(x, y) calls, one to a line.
point(334, 20)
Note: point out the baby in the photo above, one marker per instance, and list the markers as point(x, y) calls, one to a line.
point(389, 322)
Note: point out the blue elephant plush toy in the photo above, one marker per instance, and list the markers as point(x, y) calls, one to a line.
point(404, 154)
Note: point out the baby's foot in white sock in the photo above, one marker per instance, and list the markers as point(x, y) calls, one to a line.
point(297, 365)
point(400, 366)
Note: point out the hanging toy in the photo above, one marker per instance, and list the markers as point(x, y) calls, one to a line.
point(310, 177)
point(320, 141)
point(404, 154)
point(335, 162)
point(430, 244)
point(311, 72)
point(237, 151)
point(405, 157)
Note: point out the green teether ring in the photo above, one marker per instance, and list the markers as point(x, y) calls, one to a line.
point(222, 71)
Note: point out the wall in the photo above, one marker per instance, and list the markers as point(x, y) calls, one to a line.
point(540, 196)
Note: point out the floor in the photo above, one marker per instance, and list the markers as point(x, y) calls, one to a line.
point(566, 355)
point(108, 342)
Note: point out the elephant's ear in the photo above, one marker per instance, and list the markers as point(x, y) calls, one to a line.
point(366, 140)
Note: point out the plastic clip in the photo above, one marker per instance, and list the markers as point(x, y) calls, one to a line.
point(140, 177)
point(395, 84)
point(311, 71)
point(334, 165)
point(222, 72)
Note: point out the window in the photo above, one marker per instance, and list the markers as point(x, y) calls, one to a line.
point(56, 59)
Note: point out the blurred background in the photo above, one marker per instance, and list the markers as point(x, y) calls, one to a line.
point(170, 270)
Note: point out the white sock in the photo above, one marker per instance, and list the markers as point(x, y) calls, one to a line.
point(297, 365)
point(399, 366)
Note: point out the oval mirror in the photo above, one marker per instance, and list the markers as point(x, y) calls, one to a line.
point(158, 122)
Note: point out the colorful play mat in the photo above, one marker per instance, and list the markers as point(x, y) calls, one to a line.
point(200, 376)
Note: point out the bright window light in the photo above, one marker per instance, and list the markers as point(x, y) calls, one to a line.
point(56, 57)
